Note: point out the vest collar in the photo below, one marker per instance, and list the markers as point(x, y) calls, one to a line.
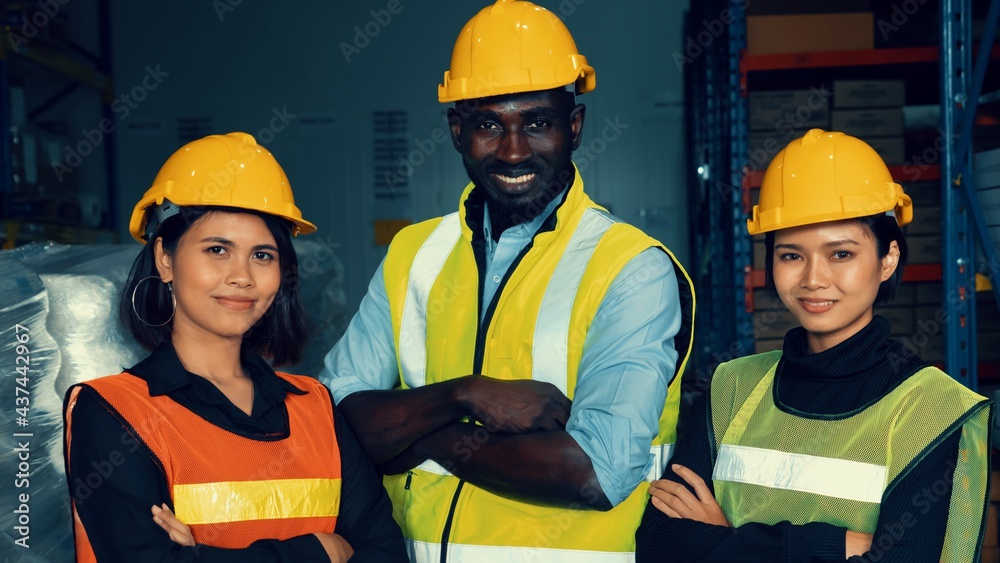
point(470, 211)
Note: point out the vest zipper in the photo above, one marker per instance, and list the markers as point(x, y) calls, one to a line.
point(477, 361)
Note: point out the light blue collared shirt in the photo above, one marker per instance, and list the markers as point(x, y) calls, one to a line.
point(628, 357)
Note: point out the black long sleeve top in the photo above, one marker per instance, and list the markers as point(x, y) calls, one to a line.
point(913, 516)
point(115, 480)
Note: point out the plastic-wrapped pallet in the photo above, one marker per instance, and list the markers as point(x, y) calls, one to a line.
point(68, 297)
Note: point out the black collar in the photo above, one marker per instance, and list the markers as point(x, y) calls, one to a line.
point(164, 374)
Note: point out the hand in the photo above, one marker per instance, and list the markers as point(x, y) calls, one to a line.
point(858, 543)
point(337, 548)
point(515, 406)
point(676, 501)
point(176, 529)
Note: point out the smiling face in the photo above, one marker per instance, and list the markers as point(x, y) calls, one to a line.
point(516, 147)
point(225, 273)
point(828, 275)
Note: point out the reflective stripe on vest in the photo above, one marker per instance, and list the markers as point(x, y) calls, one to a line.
point(214, 503)
point(465, 553)
point(832, 477)
point(426, 268)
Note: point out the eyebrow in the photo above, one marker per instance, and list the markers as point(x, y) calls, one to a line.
point(230, 244)
point(828, 244)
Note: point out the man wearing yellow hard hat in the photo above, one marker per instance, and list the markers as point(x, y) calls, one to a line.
point(515, 366)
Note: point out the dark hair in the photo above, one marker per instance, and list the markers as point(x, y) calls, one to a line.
point(883, 229)
point(280, 334)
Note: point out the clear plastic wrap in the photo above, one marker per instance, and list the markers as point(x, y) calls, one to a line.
point(67, 297)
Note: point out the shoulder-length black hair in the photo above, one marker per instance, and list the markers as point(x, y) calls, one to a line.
point(279, 335)
point(883, 229)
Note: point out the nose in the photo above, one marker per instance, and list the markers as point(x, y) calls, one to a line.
point(816, 275)
point(239, 274)
point(514, 147)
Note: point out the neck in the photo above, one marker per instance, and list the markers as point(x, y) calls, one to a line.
point(210, 356)
point(823, 341)
point(504, 216)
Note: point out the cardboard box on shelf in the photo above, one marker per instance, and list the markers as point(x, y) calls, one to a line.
point(772, 323)
point(763, 299)
point(926, 221)
point(773, 7)
point(891, 149)
point(990, 536)
point(868, 93)
point(900, 318)
point(784, 112)
point(924, 249)
point(906, 295)
point(990, 555)
point(922, 193)
point(866, 123)
point(767, 344)
point(929, 293)
point(988, 346)
point(759, 255)
point(804, 33)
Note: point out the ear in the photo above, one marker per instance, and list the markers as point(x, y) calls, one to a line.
point(163, 261)
point(576, 117)
point(455, 124)
point(890, 261)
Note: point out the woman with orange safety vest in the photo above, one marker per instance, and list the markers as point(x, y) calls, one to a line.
point(202, 451)
point(844, 444)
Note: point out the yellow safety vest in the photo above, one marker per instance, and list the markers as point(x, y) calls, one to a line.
point(773, 466)
point(536, 329)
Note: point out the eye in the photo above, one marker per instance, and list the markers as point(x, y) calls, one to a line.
point(842, 254)
point(539, 124)
point(263, 255)
point(488, 126)
point(218, 250)
point(789, 256)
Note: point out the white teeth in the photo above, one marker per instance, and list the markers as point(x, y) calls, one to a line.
point(518, 180)
point(821, 303)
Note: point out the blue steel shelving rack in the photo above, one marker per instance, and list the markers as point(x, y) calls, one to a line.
point(718, 144)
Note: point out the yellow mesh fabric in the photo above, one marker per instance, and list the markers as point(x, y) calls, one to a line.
point(893, 433)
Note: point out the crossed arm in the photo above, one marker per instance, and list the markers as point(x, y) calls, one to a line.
point(533, 445)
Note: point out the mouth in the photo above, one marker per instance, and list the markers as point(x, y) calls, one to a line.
point(816, 306)
point(235, 303)
point(514, 183)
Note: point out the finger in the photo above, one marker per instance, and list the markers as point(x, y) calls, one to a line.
point(693, 479)
point(665, 508)
point(681, 493)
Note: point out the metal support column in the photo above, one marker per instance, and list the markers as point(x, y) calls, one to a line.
point(958, 241)
point(742, 258)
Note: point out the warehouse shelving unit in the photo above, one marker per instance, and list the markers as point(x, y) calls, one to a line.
point(725, 277)
point(78, 68)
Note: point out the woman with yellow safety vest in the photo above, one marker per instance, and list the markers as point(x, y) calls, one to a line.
point(202, 451)
point(844, 444)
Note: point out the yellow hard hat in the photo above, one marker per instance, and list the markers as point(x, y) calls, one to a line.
point(826, 177)
point(219, 170)
point(510, 47)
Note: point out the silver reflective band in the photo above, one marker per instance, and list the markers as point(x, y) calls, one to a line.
point(421, 552)
point(661, 456)
point(837, 478)
point(549, 354)
point(426, 268)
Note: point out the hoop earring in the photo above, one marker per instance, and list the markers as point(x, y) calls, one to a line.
point(173, 301)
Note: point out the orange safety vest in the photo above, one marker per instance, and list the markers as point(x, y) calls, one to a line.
point(231, 490)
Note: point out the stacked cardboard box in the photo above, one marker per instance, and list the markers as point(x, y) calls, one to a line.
point(873, 111)
point(991, 551)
